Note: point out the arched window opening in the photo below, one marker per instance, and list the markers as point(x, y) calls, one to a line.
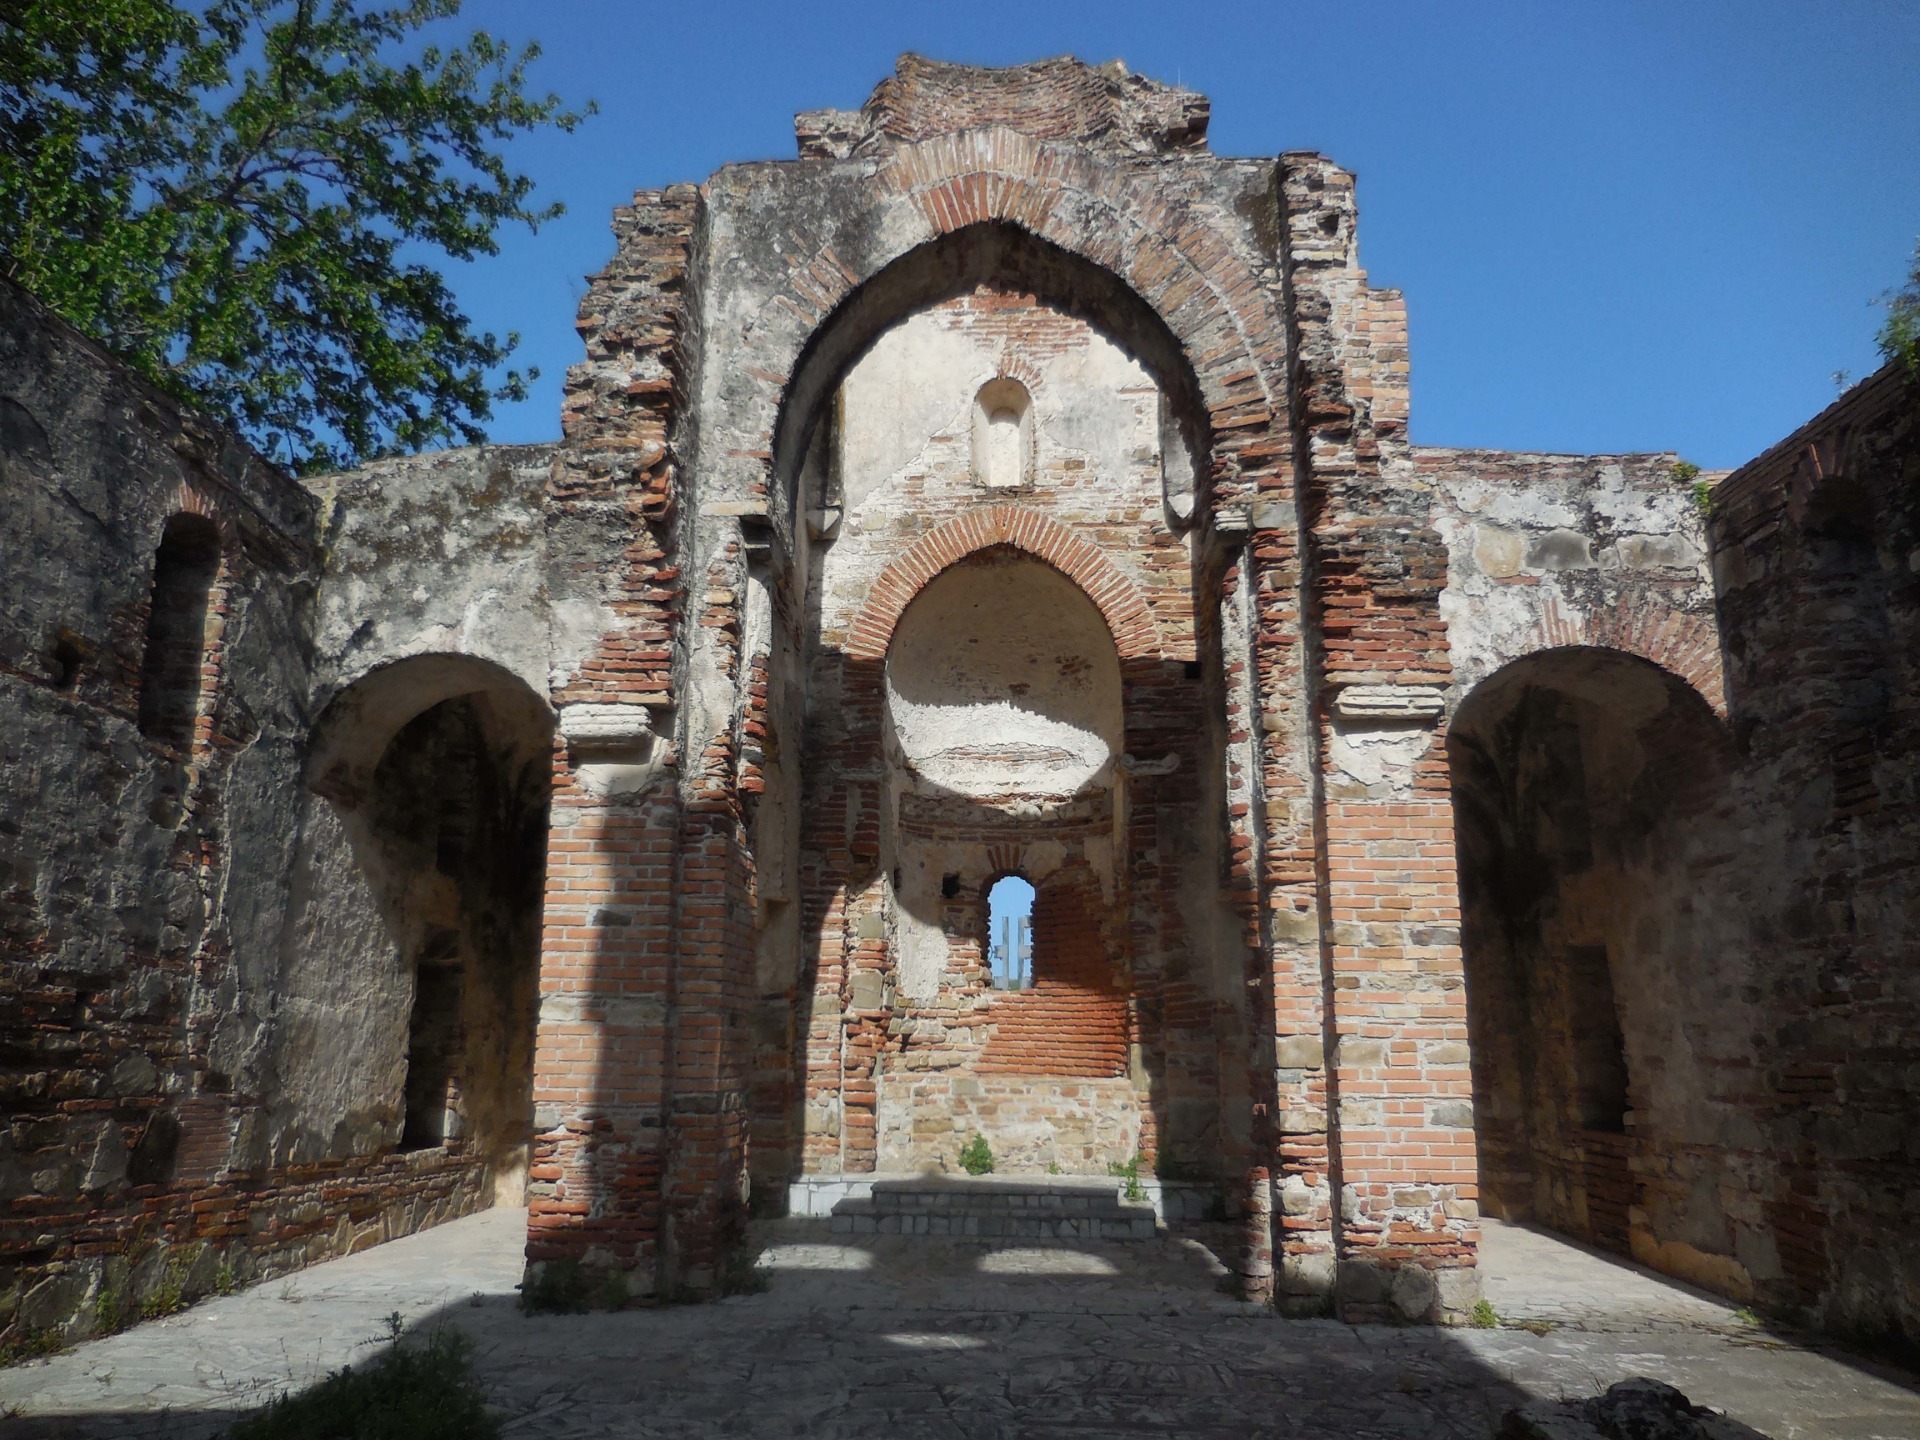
point(435, 1040)
point(184, 570)
point(1002, 434)
point(1010, 933)
point(1599, 1049)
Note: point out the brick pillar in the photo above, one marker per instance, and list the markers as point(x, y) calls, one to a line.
point(1401, 1090)
point(603, 1072)
point(600, 1083)
point(1289, 1053)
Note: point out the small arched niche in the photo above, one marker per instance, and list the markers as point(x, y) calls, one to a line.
point(1003, 435)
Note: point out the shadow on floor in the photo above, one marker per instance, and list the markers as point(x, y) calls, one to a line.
point(907, 1337)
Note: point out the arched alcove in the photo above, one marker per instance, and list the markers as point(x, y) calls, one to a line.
point(435, 771)
point(1573, 770)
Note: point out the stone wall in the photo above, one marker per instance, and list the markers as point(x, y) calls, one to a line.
point(169, 1129)
point(1806, 882)
point(1683, 794)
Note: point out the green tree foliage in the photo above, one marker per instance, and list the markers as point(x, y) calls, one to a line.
point(1900, 332)
point(239, 197)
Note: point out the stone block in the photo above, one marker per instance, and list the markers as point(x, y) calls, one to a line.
point(1299, 1052)
point(1412, 1293)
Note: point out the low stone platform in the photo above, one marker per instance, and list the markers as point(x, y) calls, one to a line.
point(1065, 1207)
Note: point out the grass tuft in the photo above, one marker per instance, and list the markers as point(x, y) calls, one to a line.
point(418, 1390)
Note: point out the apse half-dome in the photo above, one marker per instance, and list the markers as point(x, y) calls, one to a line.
point(1002, 679)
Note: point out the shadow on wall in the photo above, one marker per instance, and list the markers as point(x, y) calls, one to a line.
point(439, 770)
point(1573, 771)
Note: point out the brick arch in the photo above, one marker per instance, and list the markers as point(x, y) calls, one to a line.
point(1684, 644)
point(1185, 274)
point(1135, 635)
point(1188, 274)
point(191, 500)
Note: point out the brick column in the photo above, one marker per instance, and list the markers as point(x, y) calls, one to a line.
point(1401, 1089)
point(600, 1083)
point(604, 1073)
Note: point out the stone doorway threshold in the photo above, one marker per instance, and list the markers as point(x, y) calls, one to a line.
point(909, 1337)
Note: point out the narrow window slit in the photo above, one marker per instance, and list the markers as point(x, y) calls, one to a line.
point(1010, 933)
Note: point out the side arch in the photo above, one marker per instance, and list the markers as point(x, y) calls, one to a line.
point(1681, 642)
point(1581, 776)
point(365, 714)
point(1135, 635)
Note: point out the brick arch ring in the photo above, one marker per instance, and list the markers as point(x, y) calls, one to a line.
point(1213, 304)
point(1685, 645)
point(1135, 635)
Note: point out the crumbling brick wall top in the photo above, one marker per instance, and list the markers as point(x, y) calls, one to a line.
point(1104, 106)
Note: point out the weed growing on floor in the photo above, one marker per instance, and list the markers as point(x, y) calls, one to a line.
point(1129, 1172)
point(168, 1295)
point(415, 1391)
point(611, 1293)
point(976, 1157)
point(560, 1287)
point(29, 1343)
point(112, 1309)
point(1483, 1316)
point(744, 1274)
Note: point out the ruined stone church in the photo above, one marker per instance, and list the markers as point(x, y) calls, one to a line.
point(1006, 487)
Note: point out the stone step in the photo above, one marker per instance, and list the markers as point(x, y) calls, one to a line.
point(997, 1207)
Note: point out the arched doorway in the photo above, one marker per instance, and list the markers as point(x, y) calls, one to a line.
point(1573, 770)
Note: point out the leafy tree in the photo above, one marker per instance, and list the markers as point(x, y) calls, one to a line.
point(236, 196)
point(1900, 332)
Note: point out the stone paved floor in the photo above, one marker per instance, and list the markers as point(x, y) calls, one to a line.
point(909, 1338)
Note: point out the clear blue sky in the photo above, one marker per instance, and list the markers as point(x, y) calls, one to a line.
point(1619, 225)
